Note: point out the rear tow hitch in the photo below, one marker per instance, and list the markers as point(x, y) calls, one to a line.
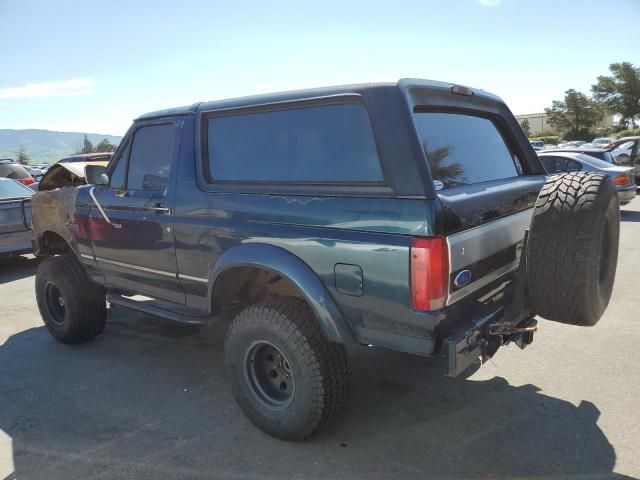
point(505, 328)
point(521, 335)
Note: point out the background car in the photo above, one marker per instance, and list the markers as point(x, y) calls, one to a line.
point(572, 144)
point(33, 170)
point(87, 157)
point(599, 153)
point(537, 144)
point(15, 218)
point(15, 171)
point(602, 142)
point(559, 162)
point(626, 151)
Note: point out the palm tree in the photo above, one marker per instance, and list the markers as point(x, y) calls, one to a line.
point(447, 174)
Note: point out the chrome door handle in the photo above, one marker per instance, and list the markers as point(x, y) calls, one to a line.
point(165, 210)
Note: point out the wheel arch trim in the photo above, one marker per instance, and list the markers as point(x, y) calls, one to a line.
point(295, 270)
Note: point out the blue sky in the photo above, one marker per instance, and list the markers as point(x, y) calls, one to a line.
point(93, 66)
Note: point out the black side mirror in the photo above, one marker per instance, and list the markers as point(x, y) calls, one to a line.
point(96, 175)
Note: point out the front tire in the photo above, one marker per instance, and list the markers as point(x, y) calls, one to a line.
point(287, 378)
point(72, 306)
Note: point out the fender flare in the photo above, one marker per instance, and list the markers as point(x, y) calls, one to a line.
point(291, 267)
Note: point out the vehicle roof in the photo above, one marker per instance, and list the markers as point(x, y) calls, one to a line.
point(88, 156)
point(591, 161)
point(560, 153)
point(579, 150)
point(404, 84)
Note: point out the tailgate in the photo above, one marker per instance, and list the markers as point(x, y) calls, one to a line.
point(485, 228)
point(483, 254)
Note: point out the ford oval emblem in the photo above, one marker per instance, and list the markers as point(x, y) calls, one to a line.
point(462, 278)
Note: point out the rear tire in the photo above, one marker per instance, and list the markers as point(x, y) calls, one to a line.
point(287, 378)
point(573, 248)
point(72, 306)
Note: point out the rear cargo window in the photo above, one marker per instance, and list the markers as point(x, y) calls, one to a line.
point(323, 144)
point(463, 149)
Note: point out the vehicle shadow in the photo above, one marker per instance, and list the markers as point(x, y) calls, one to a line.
point(629, 216)
point(149, 399)
point(15, 268)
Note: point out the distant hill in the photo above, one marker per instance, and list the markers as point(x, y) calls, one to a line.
point(46, 145)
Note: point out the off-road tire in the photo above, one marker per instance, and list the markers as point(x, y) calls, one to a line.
point(319, 367)
point(84, 313)
point(573, 248)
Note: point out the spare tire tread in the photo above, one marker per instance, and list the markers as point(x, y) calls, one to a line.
point(564, 247)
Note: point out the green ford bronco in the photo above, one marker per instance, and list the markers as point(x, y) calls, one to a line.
point(413, 216)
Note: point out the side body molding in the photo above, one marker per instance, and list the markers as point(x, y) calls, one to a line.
point(289, 266)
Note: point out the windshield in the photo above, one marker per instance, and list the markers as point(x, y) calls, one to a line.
point(11, 189)
point(593, 161)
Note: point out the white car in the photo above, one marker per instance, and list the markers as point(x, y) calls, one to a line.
point(624, 149)
point(602, 142)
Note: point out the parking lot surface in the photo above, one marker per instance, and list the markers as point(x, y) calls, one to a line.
point(149, 399)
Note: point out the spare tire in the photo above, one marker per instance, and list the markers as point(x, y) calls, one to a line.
point(573, 248)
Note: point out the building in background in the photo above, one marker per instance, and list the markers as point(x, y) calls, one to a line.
point(539, 125)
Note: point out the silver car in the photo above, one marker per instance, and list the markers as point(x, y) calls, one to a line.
point(15, 218)
point(558, 162)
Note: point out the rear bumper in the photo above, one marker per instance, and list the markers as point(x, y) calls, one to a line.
point(466, 347)
point(15, 243)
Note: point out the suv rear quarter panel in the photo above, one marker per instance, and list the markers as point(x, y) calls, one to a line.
point(372, 232)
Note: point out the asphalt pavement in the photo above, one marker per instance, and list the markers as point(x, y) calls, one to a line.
point(148, 399)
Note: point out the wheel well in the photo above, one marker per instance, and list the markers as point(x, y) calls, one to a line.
point(247, 285)
point(51, 243)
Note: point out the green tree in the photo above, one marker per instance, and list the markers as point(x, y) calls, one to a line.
point(620, 92)
point(87, 146)
point(575, 115)
point(105, 146)
point(526, 128)
point(23, 158)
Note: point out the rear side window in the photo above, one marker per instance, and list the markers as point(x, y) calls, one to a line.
point(463, 149)
point(329, 143)
point(150, 158)
point(549, 164)
point(13, 170)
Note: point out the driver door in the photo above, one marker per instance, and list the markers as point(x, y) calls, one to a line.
point(131, 218)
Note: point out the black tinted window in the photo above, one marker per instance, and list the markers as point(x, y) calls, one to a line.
point(549, 164)
point(572, 166)
point(463, 149)
point(331, 143)
point(150, 158)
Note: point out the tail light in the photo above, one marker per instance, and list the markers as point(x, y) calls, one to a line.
point(429, 273)
point(622, 180)
point(27, 181)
